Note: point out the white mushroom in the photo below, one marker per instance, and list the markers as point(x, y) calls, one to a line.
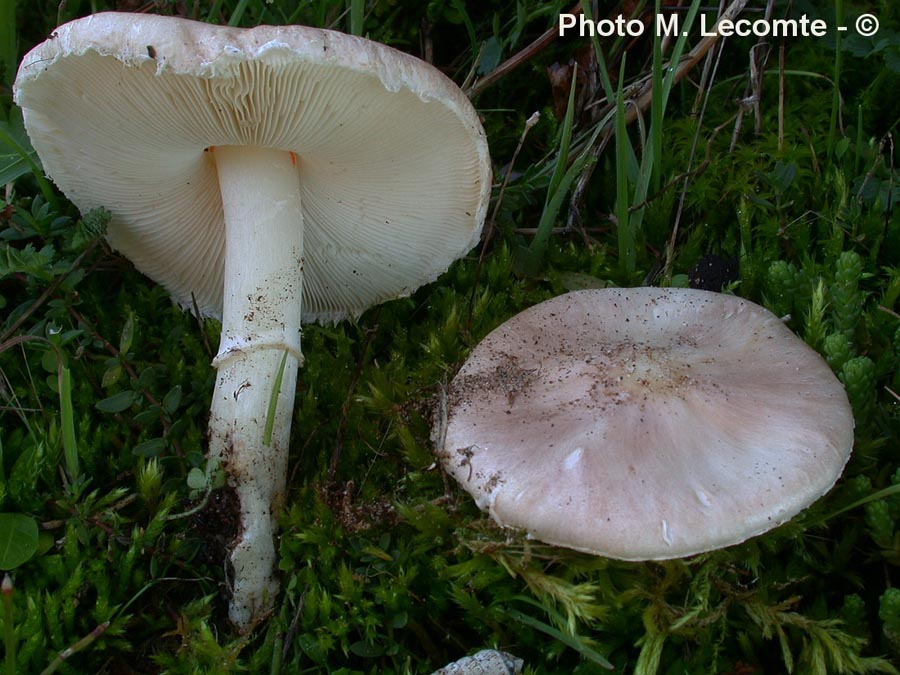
point(271, 175)
point(485, 662)
point(645, 423)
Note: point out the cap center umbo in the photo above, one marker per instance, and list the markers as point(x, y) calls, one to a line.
point(629, 372)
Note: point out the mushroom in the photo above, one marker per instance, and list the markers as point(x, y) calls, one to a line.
point(485, 662)
point(644, 423)
point(267, 176)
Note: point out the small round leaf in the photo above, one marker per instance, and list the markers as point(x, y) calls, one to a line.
point(197, 479)
point(18, 539)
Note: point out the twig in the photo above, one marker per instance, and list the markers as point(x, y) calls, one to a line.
point(9, 628)
point(561, 230)
point(202, 325)
point(645, 96)
point(888, 310)
point(292, 629)
point(640, 95)
point(68, 652)
point(710, 68)
point(489, 227)
point(517, 59)
point(204, 501)
point(781, 97)
point(345, 408)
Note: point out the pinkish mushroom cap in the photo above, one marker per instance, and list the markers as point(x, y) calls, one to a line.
point(645, 423)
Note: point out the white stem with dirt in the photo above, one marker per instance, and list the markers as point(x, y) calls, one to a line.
point(260, 323)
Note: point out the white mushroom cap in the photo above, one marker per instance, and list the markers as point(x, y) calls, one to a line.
point(394, 168)
point(645, 423)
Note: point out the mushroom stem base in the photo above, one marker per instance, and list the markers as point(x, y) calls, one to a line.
point(256, 470)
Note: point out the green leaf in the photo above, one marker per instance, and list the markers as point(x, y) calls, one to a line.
point(17, 157)
point(117, 402)
point(41, 264)
point(490, 55)
point(172, 400)
point(782, 176)
point(112, 374)
point(148, 416)
point(18, 539)
point(892, 60)
point(23, 478)
point(197, 479)
point(366, 650)
point(578, 281)
point(150, 448)
point(91, 226)
point(127, 334)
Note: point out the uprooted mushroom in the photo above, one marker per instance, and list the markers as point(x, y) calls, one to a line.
point(268, 176)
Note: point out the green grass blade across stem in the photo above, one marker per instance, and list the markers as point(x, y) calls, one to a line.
point(273, 401)
point(212, 16)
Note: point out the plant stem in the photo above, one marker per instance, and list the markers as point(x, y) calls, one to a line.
point(624, 230)
point(836, 76)
point(9, 629)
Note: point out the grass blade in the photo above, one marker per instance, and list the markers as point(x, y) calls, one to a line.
point(238, 14)
point(8, 40)
point(560, 180)
point(17, 157)
point(624, 229)
point(656, 110)
point(602, 70)
point(273, 402)
point(67, 419)
point(568, 640)
point(564, 141)
point(357, 14)
point(836, 77)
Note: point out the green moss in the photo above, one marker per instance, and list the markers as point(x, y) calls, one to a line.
point(387, 566)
